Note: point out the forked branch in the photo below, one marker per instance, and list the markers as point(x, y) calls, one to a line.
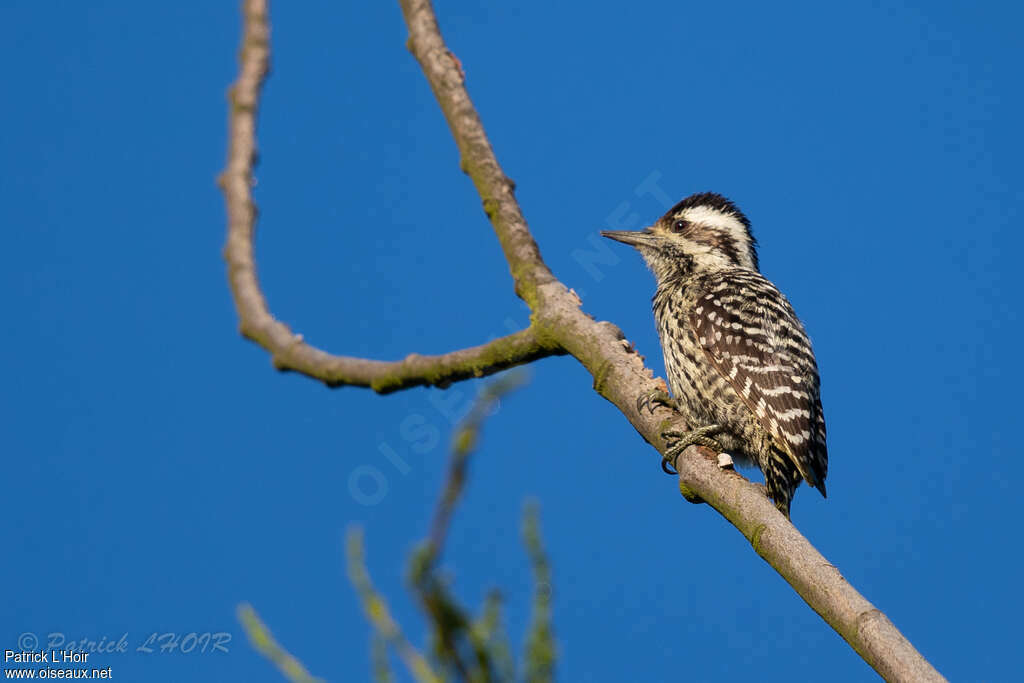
point(289, 351)
point(557, 326)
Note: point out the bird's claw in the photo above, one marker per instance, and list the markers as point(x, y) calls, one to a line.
point(654, 398)
point(684, 439)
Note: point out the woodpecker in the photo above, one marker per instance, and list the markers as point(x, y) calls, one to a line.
point(739, 363)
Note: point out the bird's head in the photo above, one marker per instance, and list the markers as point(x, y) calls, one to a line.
point(704, 232)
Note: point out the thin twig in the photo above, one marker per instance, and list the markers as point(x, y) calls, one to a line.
point(377, 612)
point(540, 641)
point(464, 443)
point(460, 642)
point(263, 640)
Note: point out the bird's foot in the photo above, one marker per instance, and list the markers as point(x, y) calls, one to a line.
point(681, 440)
point(654, 398)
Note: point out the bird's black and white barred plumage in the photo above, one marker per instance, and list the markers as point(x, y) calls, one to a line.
point(736, 355)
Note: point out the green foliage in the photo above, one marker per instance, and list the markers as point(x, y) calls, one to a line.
point(386, 629)
point(540, 642)
point(462, 646)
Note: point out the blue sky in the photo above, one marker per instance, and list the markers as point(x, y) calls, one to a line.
point(158, 472)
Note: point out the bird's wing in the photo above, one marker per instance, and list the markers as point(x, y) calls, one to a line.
point(752, 337)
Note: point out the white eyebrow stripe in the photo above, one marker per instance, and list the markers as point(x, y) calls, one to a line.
point(713, 218)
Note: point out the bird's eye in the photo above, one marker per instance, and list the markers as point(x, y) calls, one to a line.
point(679, 225)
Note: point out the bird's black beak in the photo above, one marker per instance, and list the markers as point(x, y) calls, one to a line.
point(635, 238)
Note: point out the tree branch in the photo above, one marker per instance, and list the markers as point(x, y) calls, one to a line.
point(818, 582)
point(557, 326)
point(496, 190)
point(289, 351)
